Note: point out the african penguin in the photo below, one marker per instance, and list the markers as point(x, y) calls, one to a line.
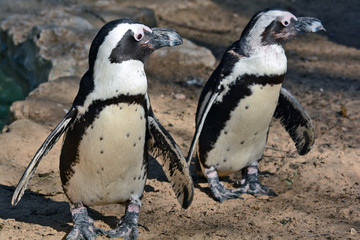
point(242, 96)
point(110, 131)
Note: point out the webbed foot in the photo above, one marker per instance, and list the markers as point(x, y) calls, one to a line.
point(218, 190)
point(128, 225)
point(250, 183)
point(84, 227)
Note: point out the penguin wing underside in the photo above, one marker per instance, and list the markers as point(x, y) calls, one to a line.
point(296, 121)
point(213, 87)
point(164, 149)
point(43, 150)
point(200, 125)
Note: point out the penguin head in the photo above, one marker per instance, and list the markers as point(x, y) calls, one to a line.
point(277, 27)
point(124, 39)
point(116, 60)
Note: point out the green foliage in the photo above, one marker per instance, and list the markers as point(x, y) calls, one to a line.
point(10, 91)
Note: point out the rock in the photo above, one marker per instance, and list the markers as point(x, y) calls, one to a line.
point(310, 58)
point(177, 63)
point(40, 45)
point(51, 48)
point(112, 12)
point(48, 103)
point(179, 96)
point(33, 119)
point(46, 45)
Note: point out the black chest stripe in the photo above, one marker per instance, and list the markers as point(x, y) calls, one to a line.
point(69, 151)
point(219, 114)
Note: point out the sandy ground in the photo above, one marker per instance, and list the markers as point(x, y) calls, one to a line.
point(318, 194)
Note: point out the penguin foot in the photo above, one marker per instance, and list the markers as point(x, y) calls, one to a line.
point(221, 194)
point(250, 183)
point(128, 225)
point(84, 227)
point(255, 187)
point(218, 190)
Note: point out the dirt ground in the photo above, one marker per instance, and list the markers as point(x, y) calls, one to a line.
point(318, 194)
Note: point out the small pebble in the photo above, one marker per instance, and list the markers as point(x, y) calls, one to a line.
point(179, 96)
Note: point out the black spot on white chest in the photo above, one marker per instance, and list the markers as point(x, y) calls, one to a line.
point(111, 161)
point(242, 138)
point(115, 129)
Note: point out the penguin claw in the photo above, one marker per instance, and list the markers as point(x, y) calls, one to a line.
point(84, 227)
point(250, 183)
point(225, 194)
point(126, 229)
point(84, 231)
point(219, 192)
point(254, 188)
point(128, 225)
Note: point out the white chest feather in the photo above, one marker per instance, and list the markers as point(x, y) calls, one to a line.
point(269, 60)
point(243, 139)
point(112, 79)
point(110, 165)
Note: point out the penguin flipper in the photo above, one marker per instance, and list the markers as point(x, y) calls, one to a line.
point(296, 121)
point(212, 89)
point(201, 124)
point(164, 149)
point(43, 150)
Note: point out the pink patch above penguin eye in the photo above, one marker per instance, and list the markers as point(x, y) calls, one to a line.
point(139, 36)
point(287, 18)
point(285, 23)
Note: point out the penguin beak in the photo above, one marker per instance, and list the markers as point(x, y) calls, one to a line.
point(163, 37)
point(308, 24)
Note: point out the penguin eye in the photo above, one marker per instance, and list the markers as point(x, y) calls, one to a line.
point(285, 23)
point(138, 36)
